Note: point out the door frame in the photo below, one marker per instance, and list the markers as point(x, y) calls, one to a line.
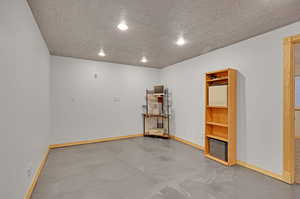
point(289, 109)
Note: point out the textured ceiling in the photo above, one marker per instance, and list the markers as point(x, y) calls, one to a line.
point(79, 28)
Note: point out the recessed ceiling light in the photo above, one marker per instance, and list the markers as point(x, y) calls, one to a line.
point(101, 53)
point(144, 59)
point(180, 41)
point(123, 26)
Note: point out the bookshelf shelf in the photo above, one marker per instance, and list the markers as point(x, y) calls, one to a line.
point(225, 107)
point(217, 124)
point(218, 137)
point(217, 79)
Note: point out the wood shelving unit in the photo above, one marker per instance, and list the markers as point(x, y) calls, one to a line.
point(157, 114)
point(216, 124)
point(225, 139)
point(220, 120)
point(216, 107)
point(217, 79)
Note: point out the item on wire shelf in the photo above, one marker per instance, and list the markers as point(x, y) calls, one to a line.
point(159, 89)
point(157, 131)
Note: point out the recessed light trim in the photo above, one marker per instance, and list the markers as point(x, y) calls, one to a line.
point(144, 59)
point(180, 41)
point(101, 53)
point(122, 26)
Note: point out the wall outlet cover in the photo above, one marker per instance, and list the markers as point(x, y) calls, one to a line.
point(96, 75)
point(116, 99)
point(29, 172)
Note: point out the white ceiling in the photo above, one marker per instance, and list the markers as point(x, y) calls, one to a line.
point(79, 28)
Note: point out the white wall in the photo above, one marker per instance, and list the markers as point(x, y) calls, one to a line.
point(87, 108)
point(24, 97)
point(260, 93)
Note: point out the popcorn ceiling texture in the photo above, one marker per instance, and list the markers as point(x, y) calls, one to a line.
point(80, 28)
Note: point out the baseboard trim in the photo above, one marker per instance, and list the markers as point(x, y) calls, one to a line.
point(240, 163)
point(53, 146)
point(262, 171)
point(36, 176)
point(187, 142)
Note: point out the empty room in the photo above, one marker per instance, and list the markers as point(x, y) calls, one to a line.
point(148, 99)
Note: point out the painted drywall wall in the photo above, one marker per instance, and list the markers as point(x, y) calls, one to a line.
point(259, 61)
point(84, 107)
point(24, 97)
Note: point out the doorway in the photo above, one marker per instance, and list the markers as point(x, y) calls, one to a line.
point(291, 118)
point(297, 113)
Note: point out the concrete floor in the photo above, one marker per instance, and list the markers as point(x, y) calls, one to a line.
point(148, 168)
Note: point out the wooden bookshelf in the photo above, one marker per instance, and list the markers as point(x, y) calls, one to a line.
point(216, 107)
point(220, 120)
point(216, 124)
point(217, 79)
point(217, 159)
point(217, 137)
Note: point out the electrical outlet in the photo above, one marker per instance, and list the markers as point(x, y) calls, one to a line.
point(96, 75)
point(116, 99)
point(29, 172)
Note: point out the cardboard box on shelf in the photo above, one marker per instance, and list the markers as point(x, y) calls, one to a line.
point(217, 95)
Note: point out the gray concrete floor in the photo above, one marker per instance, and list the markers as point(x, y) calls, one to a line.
point(149, 168)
